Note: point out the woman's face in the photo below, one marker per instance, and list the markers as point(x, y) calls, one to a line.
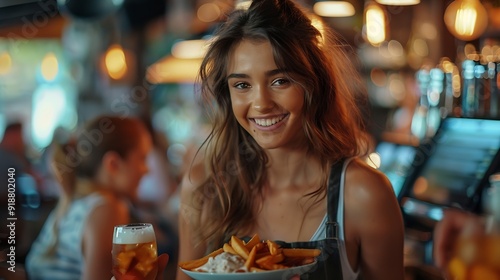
point(266, 103)
point(134, 166)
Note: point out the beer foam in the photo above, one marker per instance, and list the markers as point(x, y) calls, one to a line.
point(133, 235)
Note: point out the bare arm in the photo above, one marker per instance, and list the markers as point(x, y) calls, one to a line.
point(378, 224)
point(188, 212)
point(98, 238)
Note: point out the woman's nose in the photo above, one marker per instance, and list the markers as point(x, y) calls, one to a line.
point(263, 100)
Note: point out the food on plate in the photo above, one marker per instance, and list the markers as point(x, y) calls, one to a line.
point(223, 263)
point(252, 256)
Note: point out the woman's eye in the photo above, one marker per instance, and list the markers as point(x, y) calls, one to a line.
point(280, 82)
point(241, 85)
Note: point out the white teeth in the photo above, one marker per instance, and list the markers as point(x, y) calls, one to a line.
point(268, 122)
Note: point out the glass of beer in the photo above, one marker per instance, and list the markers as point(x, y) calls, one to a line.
point(477, 252)
point(134, 252)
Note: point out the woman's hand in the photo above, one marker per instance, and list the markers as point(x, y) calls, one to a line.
point(162, 264)
point(446, 233)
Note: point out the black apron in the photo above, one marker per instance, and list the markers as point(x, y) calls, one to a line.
point(328, 264)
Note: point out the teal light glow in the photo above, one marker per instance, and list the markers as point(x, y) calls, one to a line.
point(51, 108)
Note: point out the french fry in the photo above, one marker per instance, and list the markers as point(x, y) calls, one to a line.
point(302, 253)
point(262, 254)
point(227, 248)
point(188, 265)
point(274, 248)
point(270, 259)
point(259, 255)
point(249, 263)
point(252, 242)
point(239, 247)
point(259, 246)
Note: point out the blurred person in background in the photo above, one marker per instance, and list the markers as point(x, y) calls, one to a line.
point(13, 147)
point(99, 173)
point(13, 153)
point(13, 157)
point(284, 159)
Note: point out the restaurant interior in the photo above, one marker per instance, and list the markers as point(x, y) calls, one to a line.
point(431, 70)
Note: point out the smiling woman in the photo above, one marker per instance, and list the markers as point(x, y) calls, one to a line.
point(284, 157)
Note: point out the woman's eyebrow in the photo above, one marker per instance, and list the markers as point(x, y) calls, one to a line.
point(275, 72)
point(268, 74)
point(237, 75)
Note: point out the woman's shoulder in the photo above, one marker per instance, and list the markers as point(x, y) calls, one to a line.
point(371, 205)
point(365, 182)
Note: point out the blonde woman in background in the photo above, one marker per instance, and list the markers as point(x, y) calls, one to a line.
point(98, 173)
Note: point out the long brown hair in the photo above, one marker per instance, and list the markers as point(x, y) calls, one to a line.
point(333, 123)
point(82, 156)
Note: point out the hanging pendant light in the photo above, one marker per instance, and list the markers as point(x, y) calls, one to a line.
point(334, 9)
point(398, 2)
point(375, 24)
point(466, 19)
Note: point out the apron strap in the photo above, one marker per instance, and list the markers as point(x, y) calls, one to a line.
point(332, 226)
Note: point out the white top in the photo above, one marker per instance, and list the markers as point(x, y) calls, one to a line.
point(67, 261)
point(347, 272)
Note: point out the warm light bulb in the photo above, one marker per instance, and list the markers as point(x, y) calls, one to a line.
point(243, 5)
point(115, 62)
point(375, 24)
point(398, 2)
point(50, 67)
point(466, 19)
point(334, 9)
point(189, 49)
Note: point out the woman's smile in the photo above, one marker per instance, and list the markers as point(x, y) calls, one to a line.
point(269, 123)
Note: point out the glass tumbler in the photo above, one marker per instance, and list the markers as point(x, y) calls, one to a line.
point(134, 252)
